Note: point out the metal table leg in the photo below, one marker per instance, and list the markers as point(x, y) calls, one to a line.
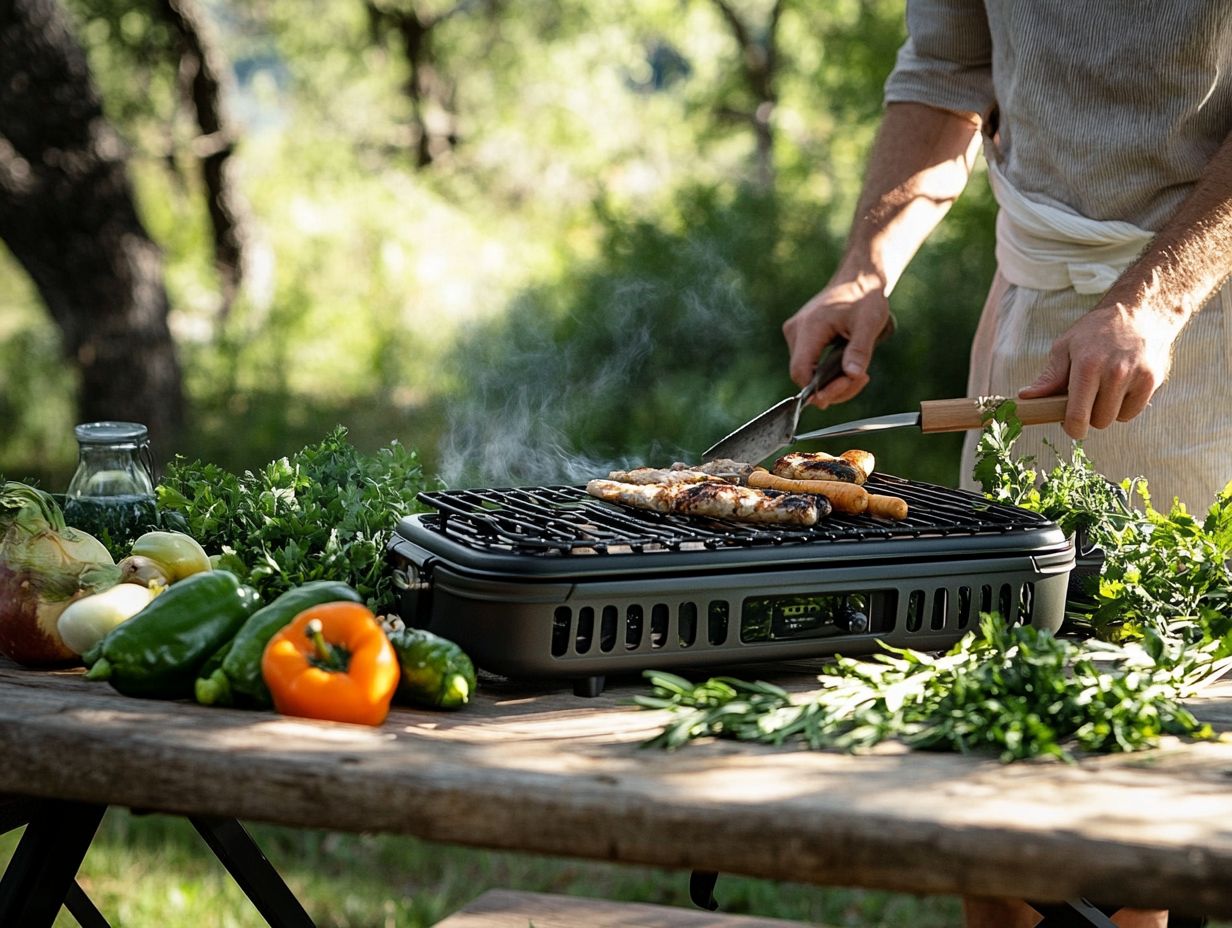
point(83, 909)
point(256, 876)
point(44, 867)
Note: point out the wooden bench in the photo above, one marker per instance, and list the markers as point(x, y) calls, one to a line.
point(503, 908)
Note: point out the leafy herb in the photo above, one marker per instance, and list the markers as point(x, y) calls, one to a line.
point(1013, 690)
point(325, 513)
point(1168, 572)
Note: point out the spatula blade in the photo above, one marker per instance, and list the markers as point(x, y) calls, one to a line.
point(760, 437)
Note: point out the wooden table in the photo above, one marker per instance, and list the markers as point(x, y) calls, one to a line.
point(542, 770)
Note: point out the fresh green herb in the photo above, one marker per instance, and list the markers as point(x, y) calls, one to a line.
point(1013, 690)
point(1168, 572)
point(325, 513)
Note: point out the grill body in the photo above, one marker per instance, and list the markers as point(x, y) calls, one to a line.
point(547, 582)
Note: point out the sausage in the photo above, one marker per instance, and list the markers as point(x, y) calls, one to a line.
point(887, 507)
point(844, 497)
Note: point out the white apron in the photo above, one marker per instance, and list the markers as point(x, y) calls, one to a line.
point(1053, 267)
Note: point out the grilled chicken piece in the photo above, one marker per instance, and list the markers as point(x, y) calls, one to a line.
point(729, 470)
point(648, 475)
point(804, 465)
point(715, 499)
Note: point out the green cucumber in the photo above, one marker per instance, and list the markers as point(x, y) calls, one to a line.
point(435, 671)
point(158, 652)
point(238, 681)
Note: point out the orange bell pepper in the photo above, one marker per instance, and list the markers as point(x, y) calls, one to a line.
point(333, 662)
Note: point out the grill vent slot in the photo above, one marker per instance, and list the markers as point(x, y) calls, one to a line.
point(915, 610)
point(1026, 603)
point(687, 619)
point(607, 629)
point(964, 606)
point(561, 622)
point(717, 615)
point(658, 625)
point(585, 630)
point(1005, 603)
point(940, 601)
point(633, 627)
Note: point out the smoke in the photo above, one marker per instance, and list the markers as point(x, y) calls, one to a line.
point(633, 366)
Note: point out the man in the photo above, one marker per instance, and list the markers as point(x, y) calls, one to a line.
point(1106, 128)
point(1106, 132)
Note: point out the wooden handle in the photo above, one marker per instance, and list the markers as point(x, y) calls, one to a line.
point(844, 497)
point(963, 414)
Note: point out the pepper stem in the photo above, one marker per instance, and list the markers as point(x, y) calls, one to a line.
point(315, 631)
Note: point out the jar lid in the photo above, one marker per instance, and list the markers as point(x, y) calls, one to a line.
point(111, 433)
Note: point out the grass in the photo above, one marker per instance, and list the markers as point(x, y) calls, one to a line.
point(156, 871)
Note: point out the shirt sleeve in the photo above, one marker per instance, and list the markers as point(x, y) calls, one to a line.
point(947, 59)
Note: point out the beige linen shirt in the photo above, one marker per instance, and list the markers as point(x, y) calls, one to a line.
point(1110, 111)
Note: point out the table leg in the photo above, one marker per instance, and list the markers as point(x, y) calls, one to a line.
point(83, 909)
point(44, 867)
point(701, 889)
point(256, 876)
point(16, 811)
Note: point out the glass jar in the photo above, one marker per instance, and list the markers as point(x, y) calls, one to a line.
point(111, 495)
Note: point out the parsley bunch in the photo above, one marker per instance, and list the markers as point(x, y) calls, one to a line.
point(324, 513)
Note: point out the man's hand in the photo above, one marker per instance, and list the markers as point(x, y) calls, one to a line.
point(1118, 354)
point(855, 309)
point(1111, 361)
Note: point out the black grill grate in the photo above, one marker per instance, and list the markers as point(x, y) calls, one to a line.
point(560, 521)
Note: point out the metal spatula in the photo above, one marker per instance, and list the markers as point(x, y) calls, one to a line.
point(775, 428)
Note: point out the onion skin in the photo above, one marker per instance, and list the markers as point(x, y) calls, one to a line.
point(27, 626)
point(44, 566)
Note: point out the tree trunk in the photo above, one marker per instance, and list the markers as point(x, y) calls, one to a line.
point(67, 214)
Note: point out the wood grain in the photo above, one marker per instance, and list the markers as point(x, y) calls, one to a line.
point(538, 769)
point(502, 908)
point(962, 414)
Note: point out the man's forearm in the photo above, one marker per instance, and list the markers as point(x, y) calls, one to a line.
point(1190, 257)
point(919, 165)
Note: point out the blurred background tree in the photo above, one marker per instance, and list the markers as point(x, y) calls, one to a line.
point(529, 239)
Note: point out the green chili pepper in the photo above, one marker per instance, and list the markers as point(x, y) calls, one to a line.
point(159, 651)
point(238, 680)
point(435, 671)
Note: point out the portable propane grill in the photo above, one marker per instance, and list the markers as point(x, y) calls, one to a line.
point(550, 582)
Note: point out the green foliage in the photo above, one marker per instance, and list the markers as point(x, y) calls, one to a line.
point(1014, 691)
point(324, 513)
point(1162, 573)
point(590, 191)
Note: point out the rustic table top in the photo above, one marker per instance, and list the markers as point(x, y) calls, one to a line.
point(539, 769)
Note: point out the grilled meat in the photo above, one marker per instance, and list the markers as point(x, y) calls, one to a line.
point(732, 471)
point(648, 475)
point(715, 499)
point(803, 465)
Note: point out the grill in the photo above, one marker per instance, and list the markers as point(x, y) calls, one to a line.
point(550, 582)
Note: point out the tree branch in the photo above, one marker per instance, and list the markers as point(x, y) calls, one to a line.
point(205, 78)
